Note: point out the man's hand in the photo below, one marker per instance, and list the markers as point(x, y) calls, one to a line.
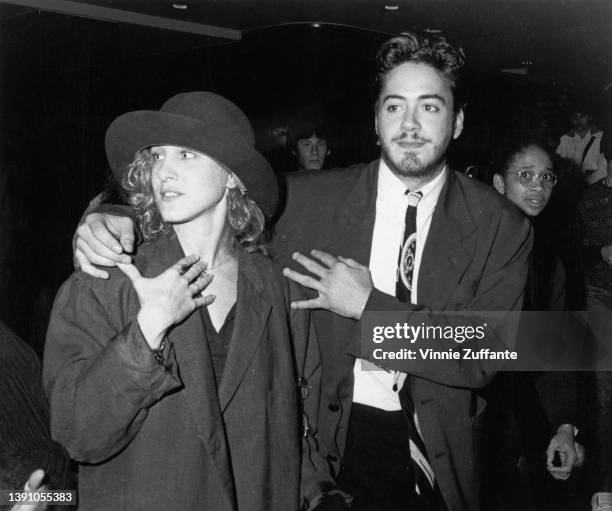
point(606, 253)
point(33, 484)
point(344, 285)
point(570, 452)
point(170, 297)
point(103, 239)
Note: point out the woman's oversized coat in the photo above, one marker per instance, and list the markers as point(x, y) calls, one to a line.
point(162, 437)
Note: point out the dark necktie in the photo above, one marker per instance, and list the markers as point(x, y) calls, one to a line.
point(426, 486)
point(403, 286)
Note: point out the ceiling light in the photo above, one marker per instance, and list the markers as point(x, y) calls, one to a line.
point(316, 25)
point(180, 7)
point(391, 7)
point(514, 70)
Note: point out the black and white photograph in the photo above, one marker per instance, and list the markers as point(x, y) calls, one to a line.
point(306, 255)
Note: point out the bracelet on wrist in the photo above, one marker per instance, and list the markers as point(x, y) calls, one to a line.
point(159, 352)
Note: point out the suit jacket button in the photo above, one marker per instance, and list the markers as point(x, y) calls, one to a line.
point(333, 407)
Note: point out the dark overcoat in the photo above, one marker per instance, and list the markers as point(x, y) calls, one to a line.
point(161, 437)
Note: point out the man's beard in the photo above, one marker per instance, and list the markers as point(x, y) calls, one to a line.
point(410, 165)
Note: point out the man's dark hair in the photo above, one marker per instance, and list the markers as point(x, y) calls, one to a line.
point(305, 128)
point(431, 49)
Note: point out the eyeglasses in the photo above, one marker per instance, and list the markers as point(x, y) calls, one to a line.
point(526, 177)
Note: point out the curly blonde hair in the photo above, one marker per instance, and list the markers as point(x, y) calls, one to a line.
point(245, 218)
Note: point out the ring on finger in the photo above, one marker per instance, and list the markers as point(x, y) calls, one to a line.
point(193, 287)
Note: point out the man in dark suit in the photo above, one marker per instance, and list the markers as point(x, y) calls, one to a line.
point(392, 440)
point(471, 254)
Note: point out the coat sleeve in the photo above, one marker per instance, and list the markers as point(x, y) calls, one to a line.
point(558, 390)
point(558, 393)
point(99, 373)
point(316, 480)
point(499, 290)
point(97, 205)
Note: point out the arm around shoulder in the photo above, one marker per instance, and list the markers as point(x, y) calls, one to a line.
point(104, 237)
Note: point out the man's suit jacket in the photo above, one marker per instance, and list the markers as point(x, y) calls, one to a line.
point(475, 258)
point(151, 436)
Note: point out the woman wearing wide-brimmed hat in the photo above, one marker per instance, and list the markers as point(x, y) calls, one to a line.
point(179, 383)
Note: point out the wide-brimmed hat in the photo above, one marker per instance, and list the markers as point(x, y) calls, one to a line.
point(203, 121)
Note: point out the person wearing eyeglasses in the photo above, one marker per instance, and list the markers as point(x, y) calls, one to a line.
point(527, 179)
point(524, 407)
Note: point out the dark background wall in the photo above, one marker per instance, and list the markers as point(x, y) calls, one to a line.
point(63, 79)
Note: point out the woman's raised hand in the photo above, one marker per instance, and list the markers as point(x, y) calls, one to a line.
point(170, 297)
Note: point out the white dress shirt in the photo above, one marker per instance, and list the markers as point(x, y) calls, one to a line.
point(375, 387)
point(572, 147)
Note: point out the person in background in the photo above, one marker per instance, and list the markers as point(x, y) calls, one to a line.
point(271, 135)
point(581, 145)
point(29, 458)
point(167, 397)
point(524, 407)
point(595, 209)
point(308, 142)
point(602, 498)
point(596, 213)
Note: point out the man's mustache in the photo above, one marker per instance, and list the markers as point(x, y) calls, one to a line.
point(409, 137)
